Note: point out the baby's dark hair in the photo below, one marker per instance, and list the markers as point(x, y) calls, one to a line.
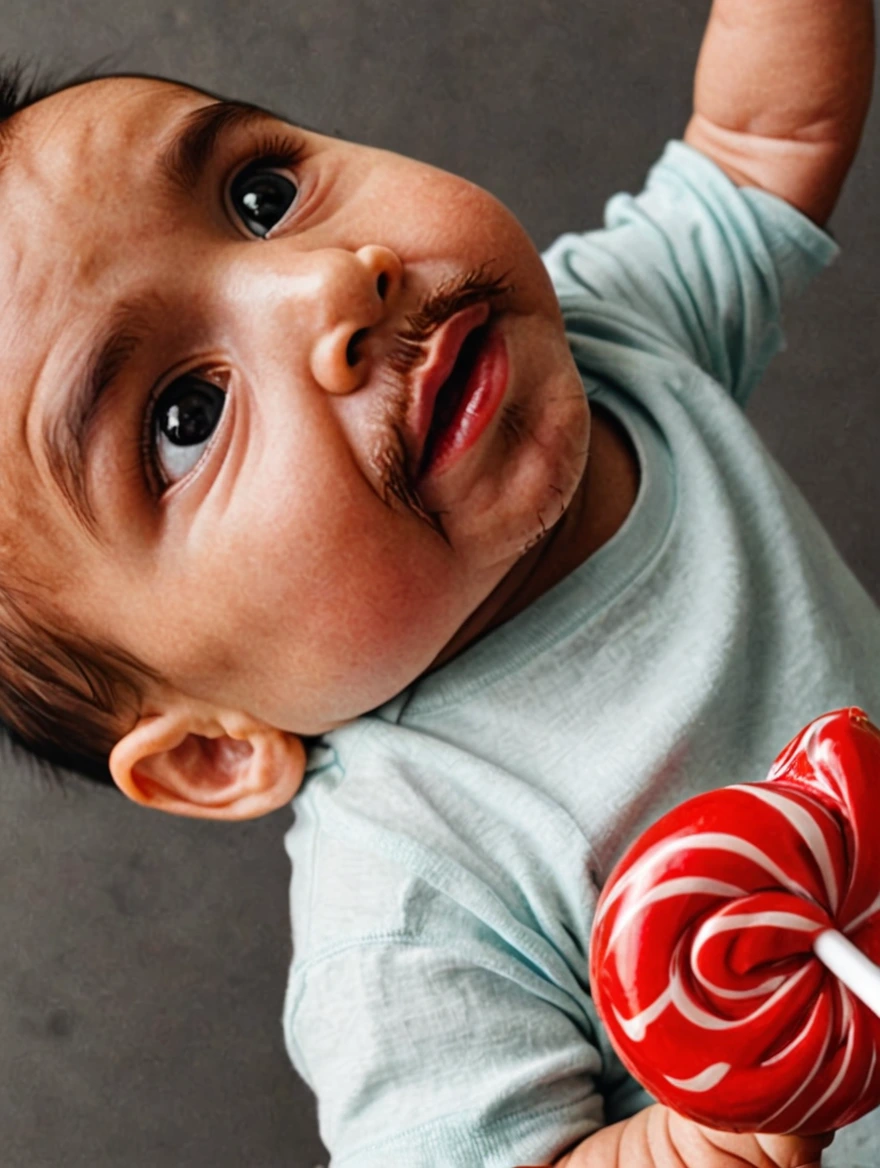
point(62, 698)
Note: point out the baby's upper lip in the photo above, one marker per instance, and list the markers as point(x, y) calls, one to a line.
point(445, 345)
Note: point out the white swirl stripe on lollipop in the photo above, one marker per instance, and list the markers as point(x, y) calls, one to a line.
point(730, 948)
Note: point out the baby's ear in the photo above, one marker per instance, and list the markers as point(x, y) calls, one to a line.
point(206, 763)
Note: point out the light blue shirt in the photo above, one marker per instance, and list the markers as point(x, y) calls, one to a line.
point(449, 847)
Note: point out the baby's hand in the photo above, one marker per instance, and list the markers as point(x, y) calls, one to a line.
point(661, 1138)
point(703, 1147)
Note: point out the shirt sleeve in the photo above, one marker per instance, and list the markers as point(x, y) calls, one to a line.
point(445, 1049)
point(698, 264)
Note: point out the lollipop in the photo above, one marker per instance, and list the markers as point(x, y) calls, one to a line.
point(733, 945)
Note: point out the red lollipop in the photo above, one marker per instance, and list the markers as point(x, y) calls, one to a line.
point(716, 935)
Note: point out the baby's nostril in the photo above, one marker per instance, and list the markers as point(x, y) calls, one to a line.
point(382, 285)
point(351, 353)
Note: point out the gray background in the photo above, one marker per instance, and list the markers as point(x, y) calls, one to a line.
point(144, 958)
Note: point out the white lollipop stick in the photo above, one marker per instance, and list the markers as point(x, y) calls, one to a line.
point(849, 963)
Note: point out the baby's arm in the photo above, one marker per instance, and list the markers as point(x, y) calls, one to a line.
point(781, 94)
point(659, 1138)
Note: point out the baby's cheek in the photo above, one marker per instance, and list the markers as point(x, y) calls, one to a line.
point(385, 620)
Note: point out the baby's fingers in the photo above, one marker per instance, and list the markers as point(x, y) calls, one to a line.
point(794, 1151)
point(757, 1151)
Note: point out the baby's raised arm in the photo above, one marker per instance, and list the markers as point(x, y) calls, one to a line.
point(781, 94)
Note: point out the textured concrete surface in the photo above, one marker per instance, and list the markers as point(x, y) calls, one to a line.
point(143, 958)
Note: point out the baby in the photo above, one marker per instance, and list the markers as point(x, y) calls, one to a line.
point(320, 482)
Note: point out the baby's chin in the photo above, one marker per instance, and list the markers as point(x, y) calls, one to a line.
point(544, 459)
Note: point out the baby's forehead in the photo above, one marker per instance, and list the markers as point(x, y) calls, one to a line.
point(59, 142)
point(68, 167)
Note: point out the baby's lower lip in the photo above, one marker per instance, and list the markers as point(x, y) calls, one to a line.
point(483, 393)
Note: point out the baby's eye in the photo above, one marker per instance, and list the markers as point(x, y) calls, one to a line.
point(261, 196)
point(182, 421)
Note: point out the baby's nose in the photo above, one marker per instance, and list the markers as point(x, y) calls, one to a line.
point(361, 288)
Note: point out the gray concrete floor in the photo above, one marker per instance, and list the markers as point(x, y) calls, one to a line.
point(144, 958)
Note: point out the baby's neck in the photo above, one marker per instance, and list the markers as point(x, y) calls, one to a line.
point(602, 501)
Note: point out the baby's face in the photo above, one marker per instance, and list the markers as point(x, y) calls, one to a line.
point(239, 292)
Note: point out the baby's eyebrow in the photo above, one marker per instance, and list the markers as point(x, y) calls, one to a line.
point(66, 431)
point(183, 161)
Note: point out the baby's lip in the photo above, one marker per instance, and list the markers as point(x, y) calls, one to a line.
point(445, 345)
